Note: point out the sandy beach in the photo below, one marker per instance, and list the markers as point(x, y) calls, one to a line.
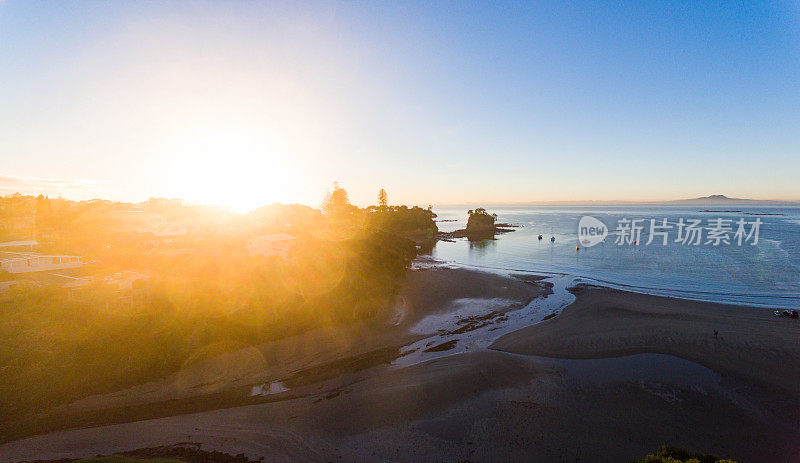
point(636, 370)
point(751, 343)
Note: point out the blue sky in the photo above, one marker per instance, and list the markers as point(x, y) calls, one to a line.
point(449, 102)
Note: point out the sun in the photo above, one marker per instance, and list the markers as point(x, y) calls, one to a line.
point(234, 169)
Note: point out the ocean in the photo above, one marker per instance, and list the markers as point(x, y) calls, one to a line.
point(766, 273)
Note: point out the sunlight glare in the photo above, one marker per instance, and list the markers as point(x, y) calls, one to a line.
point(232, 169)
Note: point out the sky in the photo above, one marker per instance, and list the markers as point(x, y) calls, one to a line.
point(248, 103)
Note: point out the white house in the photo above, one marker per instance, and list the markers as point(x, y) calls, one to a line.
point(15, 244)
point(21, 262)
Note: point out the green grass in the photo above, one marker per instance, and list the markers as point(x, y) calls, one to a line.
point(669, 454)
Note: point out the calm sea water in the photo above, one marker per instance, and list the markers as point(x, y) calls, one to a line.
point(764, 274)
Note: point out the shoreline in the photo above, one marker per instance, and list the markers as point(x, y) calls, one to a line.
point(348, 397)
point(792, 302)
point(609, 323)
point(719, 312)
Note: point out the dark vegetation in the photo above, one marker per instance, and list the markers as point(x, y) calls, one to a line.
point(668, 454)
point(183, 452)
point(205, 293)
point(480, 221)
point(413, 222)
point(481, 226)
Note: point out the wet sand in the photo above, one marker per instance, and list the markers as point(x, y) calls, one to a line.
point(554, 391)
point(752, 343)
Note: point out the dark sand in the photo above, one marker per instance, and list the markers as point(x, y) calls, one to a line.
point(487, 405)
point(752, 343)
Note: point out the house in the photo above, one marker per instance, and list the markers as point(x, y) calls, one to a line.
point(69, 278)
point(26, 262)
point(30, 244)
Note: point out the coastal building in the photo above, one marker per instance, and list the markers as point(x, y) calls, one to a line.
point(29, 244)
point(26, 262)
point(65, 278)
point(68, 278)
point(125, 289)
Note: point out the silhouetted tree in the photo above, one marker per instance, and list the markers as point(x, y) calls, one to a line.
point(415, 221)
point(383, 198)
point(337, 203)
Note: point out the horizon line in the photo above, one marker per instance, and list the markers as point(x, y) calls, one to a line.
point(719, 200)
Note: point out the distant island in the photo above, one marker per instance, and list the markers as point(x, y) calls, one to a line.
point(720, 199)
point(716, 199)
point(480, 225)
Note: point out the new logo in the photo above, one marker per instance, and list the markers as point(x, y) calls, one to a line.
point(591, 231)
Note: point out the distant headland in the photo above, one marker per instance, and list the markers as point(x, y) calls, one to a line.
point(714, 199)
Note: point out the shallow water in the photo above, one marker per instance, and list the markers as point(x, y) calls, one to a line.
point(765, 274)
point(274, 387)
point(478, 333)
